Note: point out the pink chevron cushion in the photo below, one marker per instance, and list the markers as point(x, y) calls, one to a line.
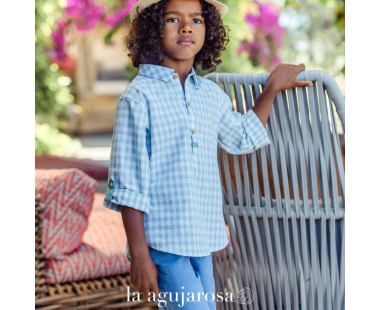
point(68, 195)
point(102, 252)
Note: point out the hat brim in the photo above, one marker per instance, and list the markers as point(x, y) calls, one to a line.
point(142, 4)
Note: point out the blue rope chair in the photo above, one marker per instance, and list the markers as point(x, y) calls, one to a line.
point(285, 203)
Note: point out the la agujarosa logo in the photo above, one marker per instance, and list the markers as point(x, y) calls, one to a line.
point(244, 296)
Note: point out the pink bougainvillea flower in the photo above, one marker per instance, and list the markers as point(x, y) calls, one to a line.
point(253, 20)
point(268, 36)
point(85, 13)
point(58, 38)
point(269, 17)
point(114, 18)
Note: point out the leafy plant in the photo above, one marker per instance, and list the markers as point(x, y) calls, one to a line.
point(316, 37)
point(49, 140)
point(52, 94)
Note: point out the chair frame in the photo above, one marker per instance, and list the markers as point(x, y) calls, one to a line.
point(282, 249)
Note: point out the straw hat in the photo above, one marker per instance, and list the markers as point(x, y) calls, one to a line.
point(142, 4)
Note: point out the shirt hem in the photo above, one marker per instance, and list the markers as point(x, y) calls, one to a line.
point(214, 249)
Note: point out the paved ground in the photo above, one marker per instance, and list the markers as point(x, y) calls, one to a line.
point(96, 148)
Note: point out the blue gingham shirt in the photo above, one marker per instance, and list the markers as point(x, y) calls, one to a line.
point(164, 157)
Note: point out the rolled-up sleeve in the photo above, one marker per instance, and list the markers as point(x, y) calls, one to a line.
point(239, 133)
point(129, 174)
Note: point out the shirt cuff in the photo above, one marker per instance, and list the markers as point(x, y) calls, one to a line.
point(255, 129)
point(127, 198)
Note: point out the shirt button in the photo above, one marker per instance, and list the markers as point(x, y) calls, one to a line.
point(188, 103)
point(175, 76)
point(193, 132)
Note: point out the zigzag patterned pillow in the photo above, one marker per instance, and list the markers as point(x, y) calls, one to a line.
point(68, 195)
point(102, 252)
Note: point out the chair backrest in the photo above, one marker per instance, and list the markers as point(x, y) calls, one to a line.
point(303, 129)
point(299, 177)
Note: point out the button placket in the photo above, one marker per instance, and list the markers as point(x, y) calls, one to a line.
point(186, 96)
point(194, 143)
point(183, 94)
point(194, 146)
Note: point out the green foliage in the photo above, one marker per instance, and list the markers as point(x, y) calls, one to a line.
point(325, 32)
point(340, 15)
point(336, 6)
point(131, 70)
point(108, 37)
point(49, 140)
point(111, 33)
point(52, 96)
point(314, 40)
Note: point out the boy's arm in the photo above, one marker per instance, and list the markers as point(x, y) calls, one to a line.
point(244, 133)
point(134, 229)
point(128, 188)
point(143, 271)
point(283, 77)
point(129, 172)
point(239, 133)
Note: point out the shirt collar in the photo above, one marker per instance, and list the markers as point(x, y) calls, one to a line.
point(164, 73)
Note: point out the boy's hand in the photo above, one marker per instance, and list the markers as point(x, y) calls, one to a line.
point(284, 76)
point(143, 271)
point(144, 275)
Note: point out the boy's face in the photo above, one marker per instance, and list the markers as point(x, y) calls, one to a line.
point(183, 18)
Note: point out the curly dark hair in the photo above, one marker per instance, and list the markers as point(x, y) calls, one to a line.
point(144, 43)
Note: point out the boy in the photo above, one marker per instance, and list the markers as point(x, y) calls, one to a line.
point(164, 176)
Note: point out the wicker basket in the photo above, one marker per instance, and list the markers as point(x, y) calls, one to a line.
point(100, 293)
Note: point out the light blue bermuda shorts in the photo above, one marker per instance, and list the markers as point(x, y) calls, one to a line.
point(184, 282)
